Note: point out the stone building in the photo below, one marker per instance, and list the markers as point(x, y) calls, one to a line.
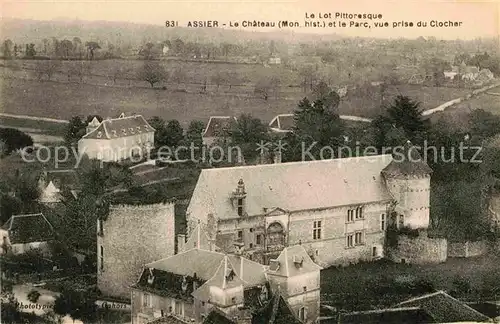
point(129, 238)
point(117, 139)
point(338, 209)
point(204, 286)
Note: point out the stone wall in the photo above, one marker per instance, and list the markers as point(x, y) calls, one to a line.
point(419, 250)
point(467, 249)
point(132, 237)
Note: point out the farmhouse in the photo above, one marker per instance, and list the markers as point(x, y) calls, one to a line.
point(200, 285)
point(282, 123)
point(217, 126)
point(23, 233)
point(337, 209)
point(117, 139)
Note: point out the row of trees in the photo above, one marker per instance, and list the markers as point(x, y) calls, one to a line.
point(62, 49)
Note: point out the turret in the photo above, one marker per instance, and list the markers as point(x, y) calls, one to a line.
point(408, 179)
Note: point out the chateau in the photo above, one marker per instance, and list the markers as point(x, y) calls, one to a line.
point(117, 139)
point(337, 209)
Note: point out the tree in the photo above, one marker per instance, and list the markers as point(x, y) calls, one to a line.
point(179, 76)
point(46, 67)
point(10, 311)
point(263, 88)
point(77, 46)
point(3, 148)
point(173, 133)
point(218, 78)
point(33, 296)
point(30, 51)
point(80, 70)
point(91, 48)
point(483, 123)
point(14, 139)
point(248, 132)
point(330, 98)
point(7, 48)
point(65, 48)
point(75, 130)
point(119, 72)
point(152, 72)
point(80, 305)
point(308, 76)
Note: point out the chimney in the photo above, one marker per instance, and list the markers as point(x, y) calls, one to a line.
point(181, 241)
point(195, 282)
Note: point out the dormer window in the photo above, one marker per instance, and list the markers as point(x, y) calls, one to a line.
point(274, 265)
point(240, 206)
point(131, 129)
point(229, 275)
point(124, 131)
point(114, 133)
point(139, 129)
point(298, 262)
point(99, 134)
point(151, 277)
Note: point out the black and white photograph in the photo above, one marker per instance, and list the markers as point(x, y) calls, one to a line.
point(249, 162)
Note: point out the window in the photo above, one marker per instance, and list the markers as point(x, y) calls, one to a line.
point(358, 238)
point(240, 235)
point(317, 230)
point(100, 227)
point(233, 300)
point(178, 308)
point(304, 288)
point(146, 300)
point(302, 314)
point(374, 251)
point(258, 239)
point(359, 213)
point(251, 245)
point(202, 303)
point(350, 240)
point(102, 258)
point(350, 215)
point(240, 207)
point(382, 222)
point(401, 221)
point(317, 252)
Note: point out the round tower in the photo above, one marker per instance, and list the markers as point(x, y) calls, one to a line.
point(408, 179)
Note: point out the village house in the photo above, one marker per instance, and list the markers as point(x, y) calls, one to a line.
point(129, 237)
point(117, 139)
point(202, 285)
point(217, 126)
point(57, 186)
point(337, 209)
point(22, 233)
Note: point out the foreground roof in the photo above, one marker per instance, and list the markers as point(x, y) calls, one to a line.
point(29, 228)
point(408, 315)
point(120, 127)
point(277, 311)
point(293, 261)
point(291, 186)
point(217, 317)
point(443, 308)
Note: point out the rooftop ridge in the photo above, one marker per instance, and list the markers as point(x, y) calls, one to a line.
point(377, 311)
point(274, 165)
point(140, 206)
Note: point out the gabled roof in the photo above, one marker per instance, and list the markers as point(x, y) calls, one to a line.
point(445, 309)
point(60, 178)
point(277, 311)
point(282, 123)
point(216, 125)
point(216, 316)
point(29, 228)
point(293, 261)
point(199, 240)
point(291, 186)
point(50, 194)
point(407, 162)
point(120, 127)
point(169, 319)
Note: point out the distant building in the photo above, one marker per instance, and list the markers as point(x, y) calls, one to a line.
point(117, 139)
point(128, 238)
point(282, 123)
point(274, 61)
point(57, 186)
point(165, 50)
point(337, 209)
point(217, 126)
point(205, 286)
point(28, 232)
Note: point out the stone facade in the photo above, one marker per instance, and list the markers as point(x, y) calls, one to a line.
point(419, 250)
point(147, 306)
point(130, 237)
point(467, 249)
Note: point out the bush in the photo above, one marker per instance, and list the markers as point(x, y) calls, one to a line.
point(33, 296)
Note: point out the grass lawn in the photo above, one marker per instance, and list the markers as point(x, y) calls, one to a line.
point(382, 284)
point(81, 283)
point(22, 94)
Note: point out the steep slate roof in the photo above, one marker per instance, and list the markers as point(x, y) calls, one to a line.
point(199, 239)
point(445, 309)
point(408, 315)
point(291, 186)
point(277, 311)
point(282, 123)
point(216, 316)
point(170, 319)
point(29, 228)
point(120, 127)
point(216, 124)
point(287, 258)
point(408, 161)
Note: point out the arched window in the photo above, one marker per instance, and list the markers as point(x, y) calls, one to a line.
point(276, 235)
point(302, 314)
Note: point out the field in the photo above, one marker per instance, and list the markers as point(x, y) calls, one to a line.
point(383, 284)
point(63, 98)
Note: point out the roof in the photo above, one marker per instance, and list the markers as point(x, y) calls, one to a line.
point(277, 311)
point(169, 319)
point(216, 316)
point(61, 178)
point(200, 240)
point(29, 228)
point(445, 309)
point(216, 124)
point(206, 264)
point(408, 315)
point(282, 123)
point(291, 186)
point(120, 127)
point(293, 261)
point(407, 162)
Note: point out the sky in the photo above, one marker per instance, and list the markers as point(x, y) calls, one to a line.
point(478, 18)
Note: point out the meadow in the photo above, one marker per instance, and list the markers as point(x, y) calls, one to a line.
point(64, 97)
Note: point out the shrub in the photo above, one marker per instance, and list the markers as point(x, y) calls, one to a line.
point(33, 296)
